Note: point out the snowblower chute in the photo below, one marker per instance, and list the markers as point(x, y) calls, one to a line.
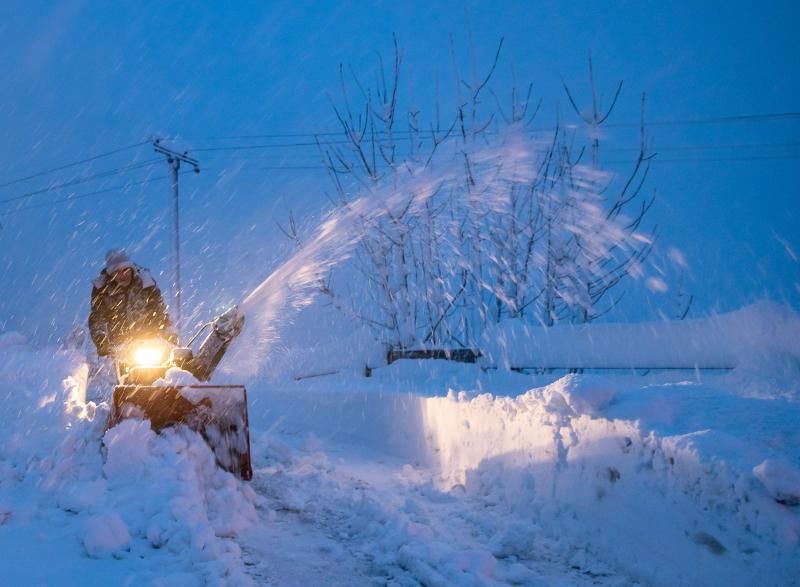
point(217, 412)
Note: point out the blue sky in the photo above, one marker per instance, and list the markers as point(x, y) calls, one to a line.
point(82, 77)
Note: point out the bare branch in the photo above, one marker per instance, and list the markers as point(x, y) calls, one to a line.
point(477, 91)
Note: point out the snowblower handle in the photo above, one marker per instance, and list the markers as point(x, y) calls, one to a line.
point(224, 328)
point(199, 332)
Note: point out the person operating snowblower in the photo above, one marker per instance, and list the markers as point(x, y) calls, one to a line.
point(126, 304)
point(129, 322)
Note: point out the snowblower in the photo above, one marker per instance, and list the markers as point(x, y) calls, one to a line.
point(217, 412)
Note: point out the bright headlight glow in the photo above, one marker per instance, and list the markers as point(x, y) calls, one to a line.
point(148, 356)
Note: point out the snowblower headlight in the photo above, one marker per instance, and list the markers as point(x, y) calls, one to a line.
point(149, 355)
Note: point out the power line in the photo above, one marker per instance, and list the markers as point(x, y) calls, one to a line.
point(717, 147)
point(711, 120)
point(287, 135)
point(677, 122)
point(320, 167)
point(400, 136)
point(81, 180)
point(301, 165)
point(82, 196)
point(317, 167)
point(607, 149)
point(612, 162)
point(712, 159)
point(291, 167)
point(674, 149)
point(263, 146)
point(74, 163)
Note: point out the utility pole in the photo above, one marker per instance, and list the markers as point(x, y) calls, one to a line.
point(174, 160)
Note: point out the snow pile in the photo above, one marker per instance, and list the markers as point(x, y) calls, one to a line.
point(165, 492)
point(41, 394)
point(106, 534)
point(156, 506)
point(682, 481)
point(176, 376)
point(760, 343)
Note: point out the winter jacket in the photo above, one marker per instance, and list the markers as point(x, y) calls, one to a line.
point(120, 314)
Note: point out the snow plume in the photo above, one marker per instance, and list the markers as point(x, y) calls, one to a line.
point(296, 282)
point(444, 247)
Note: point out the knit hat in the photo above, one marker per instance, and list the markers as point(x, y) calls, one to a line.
point(117, 259)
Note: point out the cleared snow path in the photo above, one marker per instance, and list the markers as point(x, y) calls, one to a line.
point(344, 517)
point(546, 488)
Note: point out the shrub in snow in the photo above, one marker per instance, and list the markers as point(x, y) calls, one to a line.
point(105, 535)
point(781, 480)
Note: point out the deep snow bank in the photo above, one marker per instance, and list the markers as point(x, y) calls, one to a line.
point(41, 394)
point(762, 338)
point(669, 483)
point(157, 503)
point(679, 471)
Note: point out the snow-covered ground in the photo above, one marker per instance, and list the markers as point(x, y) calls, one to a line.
point(428, 473)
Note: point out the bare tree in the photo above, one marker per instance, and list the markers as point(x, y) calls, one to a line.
point(551, 247)
point(606, 270)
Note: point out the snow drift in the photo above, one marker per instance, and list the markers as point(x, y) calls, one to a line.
point(156, 504)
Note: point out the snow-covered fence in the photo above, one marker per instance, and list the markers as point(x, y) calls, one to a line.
point(758, 334)
point(764, 334)
point(753, 335)
point(459, 355)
